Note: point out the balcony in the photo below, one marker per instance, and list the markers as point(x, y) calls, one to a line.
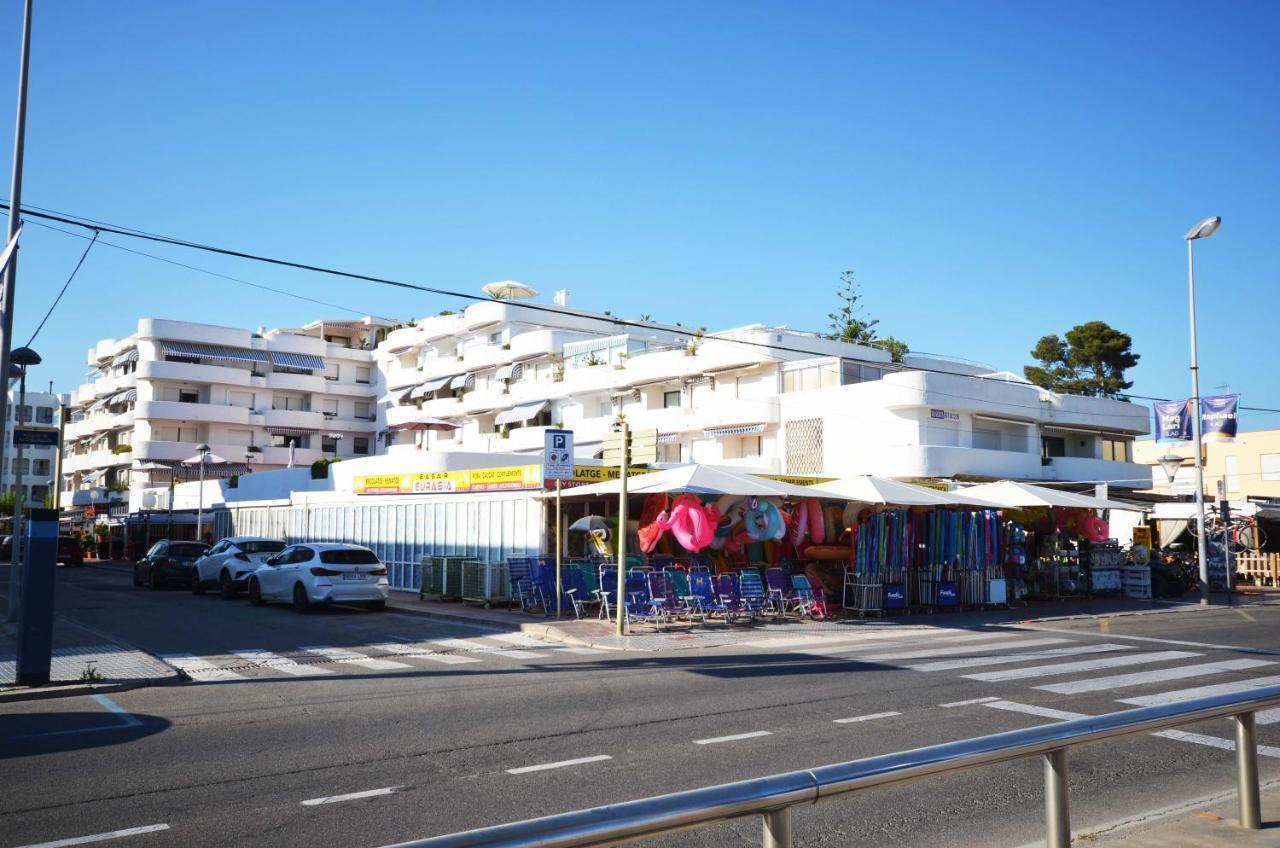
point(189, 373)
point(731, 412)
point(535, 343)
point(197, 412)
point(160, 328)
point(440, 366)
point(484, 356)
point(485, 314)
point(442, 408)
point(397, 415)
point(1128, 475)
point(349, 424)
point(293, 419)
point(297, 382)
point(484, 400)
point(272, 456)
point(675, 419)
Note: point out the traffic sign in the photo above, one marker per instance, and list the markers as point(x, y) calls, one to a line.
point(557, 455)
point(38, 438)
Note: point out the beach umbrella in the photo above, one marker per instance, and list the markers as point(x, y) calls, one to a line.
point(590, 522)
point(509, 290)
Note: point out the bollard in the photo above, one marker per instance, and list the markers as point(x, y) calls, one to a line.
point(35, 616)
point(777, 828)
point(1247, 772)
point(1057, 810)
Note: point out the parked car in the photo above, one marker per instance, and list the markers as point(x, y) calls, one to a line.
point(321, 573)
point(228, 564)
point(168, 563)
point(69, 551)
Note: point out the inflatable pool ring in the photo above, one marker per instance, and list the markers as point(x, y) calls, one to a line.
point(762, 520)
point(849, 515)
point(827, 553)
point(817, 521)
point(1094, 529)
point(835, 519)
point(692, 523)
point(1140, 554)
point(799, 529)
point(649, 532)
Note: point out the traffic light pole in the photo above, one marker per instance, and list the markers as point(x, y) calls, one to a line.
point(622, 533)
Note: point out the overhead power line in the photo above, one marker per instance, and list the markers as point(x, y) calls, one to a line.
point(65, 285)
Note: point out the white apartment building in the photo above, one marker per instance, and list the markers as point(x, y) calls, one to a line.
point(766, 399)
point(267, 398)
point(38, 463)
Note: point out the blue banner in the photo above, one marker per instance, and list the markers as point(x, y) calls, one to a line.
point(1218, 417)
point(1173, 421)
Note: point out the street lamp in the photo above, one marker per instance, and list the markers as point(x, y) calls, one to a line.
point(1204, 229)
point(1170, 462)
point(203, 450)
point(19, 360)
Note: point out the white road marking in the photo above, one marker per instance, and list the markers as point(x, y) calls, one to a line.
point(100, 837)
point(734, 738)
point(545, 766)
point(403, 650)
point(1243, 649)
point(1005, 659)
point(968, 702)
point(1141, 678)
point(946, 652)
point(1177, 735)
point(524, 640)
point(351, 796)
point(127, 720)
point(472, 645)
point(267, 659)
point(807, 641)
point(864, 718)
point(1202, 692)
point(824, 650)
point(346, 657)
point(199, 668)
point(1083, 665)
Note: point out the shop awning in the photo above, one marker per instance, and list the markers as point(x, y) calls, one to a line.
point(130, 355)
point(217, 352)
point(520, 414)
point(740, 430)
point(509, 372)
point(697, 479)
point(463, 381)
point(429, 386)
point(296, 360)
point(869, 489)
point(1009, 493)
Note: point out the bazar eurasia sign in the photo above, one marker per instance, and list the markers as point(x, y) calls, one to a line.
point(502, 478)
point(1218, 419)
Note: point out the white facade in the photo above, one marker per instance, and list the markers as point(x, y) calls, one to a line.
point(760, 398)
point(37, 463)
point(265, 397)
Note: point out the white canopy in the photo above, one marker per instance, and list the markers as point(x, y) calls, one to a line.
point(1008, 493)
point(698, 480)
point(209, 458)
point(520, 414)
point(508, 290)
point(869, 489)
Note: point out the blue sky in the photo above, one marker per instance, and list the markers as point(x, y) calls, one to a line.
point(992, 171)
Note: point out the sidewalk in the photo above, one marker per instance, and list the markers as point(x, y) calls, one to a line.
point(1204, 825)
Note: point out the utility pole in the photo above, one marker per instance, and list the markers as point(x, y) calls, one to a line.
point(15, 209)
point(622, 533)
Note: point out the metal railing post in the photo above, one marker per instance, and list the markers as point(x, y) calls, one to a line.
point(777, 828)
point(1247, 772)
point(1057, 810)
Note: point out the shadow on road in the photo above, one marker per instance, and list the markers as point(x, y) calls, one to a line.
point(34, 734)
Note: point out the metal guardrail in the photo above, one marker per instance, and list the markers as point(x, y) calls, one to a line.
point(773, 797)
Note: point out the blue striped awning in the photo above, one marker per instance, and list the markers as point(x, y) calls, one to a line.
point(204, 351)
point(742, 430)
point(296, 360)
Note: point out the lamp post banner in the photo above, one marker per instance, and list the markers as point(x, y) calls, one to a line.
point(1219, 418)
point(1173, 421)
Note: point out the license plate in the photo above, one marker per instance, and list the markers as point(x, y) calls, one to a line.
point(350, 575)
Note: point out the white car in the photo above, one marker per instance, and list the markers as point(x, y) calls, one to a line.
point(321, 573)
point(228, 564)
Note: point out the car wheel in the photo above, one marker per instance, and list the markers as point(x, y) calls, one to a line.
point(375, 606)
point(301, 603)
point(226, 588)
point(153, 582)
point(197, 585)
point(255, 594)
point(137, 581)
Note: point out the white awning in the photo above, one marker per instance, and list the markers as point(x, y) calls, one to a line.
point(429, 386)
point(509, 372)
point(463, 381)
point(742, 430)
point(521, 413)
point(130, 355)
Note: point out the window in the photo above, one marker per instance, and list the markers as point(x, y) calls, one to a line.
point(39, 493)
point(41, 467)
point(360, 445)
point(188, 396)
point(240, 438)
point(44, 415)
point(1117, 450)
point(331, 371)
point(329, 407)
point(291, 402)
point(349, 556)
point(856, 372)
point(671, 400)
point(750, 446)
point(361, 409)
point(26, 413)
point(1231, 473)
point(495, 338)
point(1051, 446)
point(283, 440)
point(1270, 467)
point(363, 374)
point(329, 443)
point(175, 434)
point(810, 378)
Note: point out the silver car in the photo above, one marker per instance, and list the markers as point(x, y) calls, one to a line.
point(228, 564)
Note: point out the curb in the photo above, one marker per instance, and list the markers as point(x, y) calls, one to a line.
point(1180, 608)
point(75, 690)
point(546, 632)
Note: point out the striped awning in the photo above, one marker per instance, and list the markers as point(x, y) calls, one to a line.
point(296, 360)
point(742, 430)
point(397, 350)
point(101, 403)
point(218, 352)
point(291, 431)
point(126, 396)
point(130, 355)
point(521, 413)
point(397, 387)
point(92, 476)
point(430, 386)
point(463, 381)
point(509, 372)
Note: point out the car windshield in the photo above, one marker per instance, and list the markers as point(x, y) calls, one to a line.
point(261, 547)
point(349, 557)
point(187, 549)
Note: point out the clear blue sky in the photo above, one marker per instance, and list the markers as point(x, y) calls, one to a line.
point(992, 171)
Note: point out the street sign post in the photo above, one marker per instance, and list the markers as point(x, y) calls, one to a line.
point(557, 464)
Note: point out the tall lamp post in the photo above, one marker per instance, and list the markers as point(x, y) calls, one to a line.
point(21, 358)
point(203, 450)
point(1204, 229)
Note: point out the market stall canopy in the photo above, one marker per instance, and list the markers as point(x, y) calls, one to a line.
point(869, 489)
point(1008, 493)
point(425, 423)
point(698, 480)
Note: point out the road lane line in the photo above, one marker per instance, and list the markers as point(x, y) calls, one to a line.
point(346, 657)
point(1083, 665)
point(952, 651)
point(562, 764)
point(808, 641)
point(900, 643)
point(968, 702)
point(1246, 616)
point(474, 646)
point(267, 659)
point(1202, 692)
point(350, 796)
point(403, 650)
point(1141, 678)
point(871, 717)
point(1243, 649)
point(199, 668)
point(1005, 659)
point(734, 738)
point(100, 837)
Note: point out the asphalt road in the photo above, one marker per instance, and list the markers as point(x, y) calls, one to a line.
point(285, 712)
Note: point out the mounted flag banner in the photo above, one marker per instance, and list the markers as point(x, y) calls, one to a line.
point(1218, 417)
point(1173, 421)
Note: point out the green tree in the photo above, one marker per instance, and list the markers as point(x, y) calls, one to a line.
point(897, 349)
point(849, 324)
point(1091, 360)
